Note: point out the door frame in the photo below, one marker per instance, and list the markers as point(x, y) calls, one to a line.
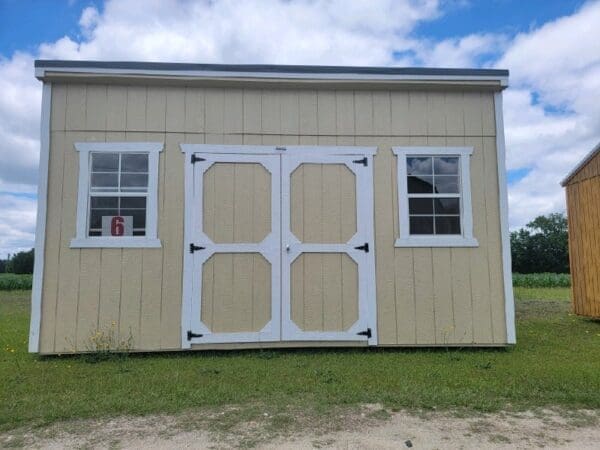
point(188, 258)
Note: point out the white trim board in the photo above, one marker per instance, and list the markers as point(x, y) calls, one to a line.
point(466, 238)
point(509, 300)
point(278, 149)
point(40, 228)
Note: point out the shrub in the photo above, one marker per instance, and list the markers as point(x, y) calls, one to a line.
point(13, 282)
point(541, 280)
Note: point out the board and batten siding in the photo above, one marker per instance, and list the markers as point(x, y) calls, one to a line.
point(583, 194)
point(425, 296)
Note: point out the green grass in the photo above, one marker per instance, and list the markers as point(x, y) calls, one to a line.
point(12, 282)
point(555, 363)
point(541, 280)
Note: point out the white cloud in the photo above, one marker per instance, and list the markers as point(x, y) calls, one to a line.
point(559, 62)
point(17, 223)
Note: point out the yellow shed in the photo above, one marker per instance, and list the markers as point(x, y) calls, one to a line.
point(583, 191)
point(199, 206)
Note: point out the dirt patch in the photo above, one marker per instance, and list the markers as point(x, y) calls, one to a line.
point(371, 426)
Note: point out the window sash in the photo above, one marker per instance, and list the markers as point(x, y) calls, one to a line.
point(405, 238)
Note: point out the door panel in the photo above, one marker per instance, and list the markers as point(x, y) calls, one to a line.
point(237, 202)
point(326, 281)
point(236, 231)
point(236, 292)
point(324, 292)
point(323, 203)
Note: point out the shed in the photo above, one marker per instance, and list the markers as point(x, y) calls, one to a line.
point(199, 206)
point(582, 186)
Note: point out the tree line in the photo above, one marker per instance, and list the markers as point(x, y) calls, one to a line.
point(21, 262)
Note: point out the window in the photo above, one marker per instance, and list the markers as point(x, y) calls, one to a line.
point(117, 199)
point(434, 197)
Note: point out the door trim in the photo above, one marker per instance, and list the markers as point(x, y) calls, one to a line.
point(278, 149)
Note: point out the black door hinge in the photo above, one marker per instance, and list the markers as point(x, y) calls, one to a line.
point(196, 159)
point(363, 161)
point(193, 248)
point(191, 335)
point(364, 247)
point(366, 333)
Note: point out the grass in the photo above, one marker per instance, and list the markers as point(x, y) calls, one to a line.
point(11, 281)
point(556, 363)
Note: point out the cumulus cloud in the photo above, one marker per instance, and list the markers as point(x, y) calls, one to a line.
point(552, 113)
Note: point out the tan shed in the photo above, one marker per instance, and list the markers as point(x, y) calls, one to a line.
point(583, 197)
point(194, 206)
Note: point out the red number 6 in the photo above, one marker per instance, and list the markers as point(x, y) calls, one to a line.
point(117, 227)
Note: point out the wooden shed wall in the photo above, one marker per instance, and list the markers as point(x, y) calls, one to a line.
point(425, 296)
point(583, 194)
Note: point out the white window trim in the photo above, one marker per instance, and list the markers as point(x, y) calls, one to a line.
point(466, 238)
point(82, 240)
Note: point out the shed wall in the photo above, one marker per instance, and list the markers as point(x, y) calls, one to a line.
point(425, 296)
point(583, 194)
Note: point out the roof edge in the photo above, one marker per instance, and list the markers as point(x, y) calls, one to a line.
point(580, 165)
point(266, 71)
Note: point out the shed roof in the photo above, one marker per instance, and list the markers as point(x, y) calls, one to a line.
point(581, 165)
point(48, 68)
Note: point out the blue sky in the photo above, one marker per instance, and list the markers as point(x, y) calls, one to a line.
point(549, 46)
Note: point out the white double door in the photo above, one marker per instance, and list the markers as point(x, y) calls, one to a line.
point(279, 247)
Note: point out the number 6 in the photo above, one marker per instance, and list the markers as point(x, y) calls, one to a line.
point(117, 227)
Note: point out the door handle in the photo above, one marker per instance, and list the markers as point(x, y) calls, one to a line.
point(287, 248)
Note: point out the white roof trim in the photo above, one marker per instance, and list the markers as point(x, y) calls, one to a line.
point(41, 73)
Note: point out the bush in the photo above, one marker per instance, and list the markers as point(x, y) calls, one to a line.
point(541, 280)
point(13, 282)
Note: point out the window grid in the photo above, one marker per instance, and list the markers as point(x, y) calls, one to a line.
point(436, 195)
point(110, 192)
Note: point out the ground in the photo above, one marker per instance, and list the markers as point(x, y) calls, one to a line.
point(544, 391)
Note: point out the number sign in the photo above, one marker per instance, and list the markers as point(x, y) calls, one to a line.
point(117, 226)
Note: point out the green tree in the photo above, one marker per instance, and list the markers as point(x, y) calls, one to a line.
point(541, 246)
point(21, 262)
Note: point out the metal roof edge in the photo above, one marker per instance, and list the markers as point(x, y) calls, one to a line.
point(265, 70)
point(580, 165)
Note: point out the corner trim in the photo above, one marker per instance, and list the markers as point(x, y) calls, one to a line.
point(509, 300)
point(40, 227)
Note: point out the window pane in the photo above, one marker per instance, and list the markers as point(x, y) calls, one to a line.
point(139, 217)
point(420, 185)
point(421, 225)
point(104, 202)
point(133, 202)
point(445, 165)
point(134, 182)
point(420, 206)
point(96, 216)
point(105, 181)
point(447, 206)
point(446, 184)
point(447, 225)
point(419, 166)
point(134, 162)
point(105, 162)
